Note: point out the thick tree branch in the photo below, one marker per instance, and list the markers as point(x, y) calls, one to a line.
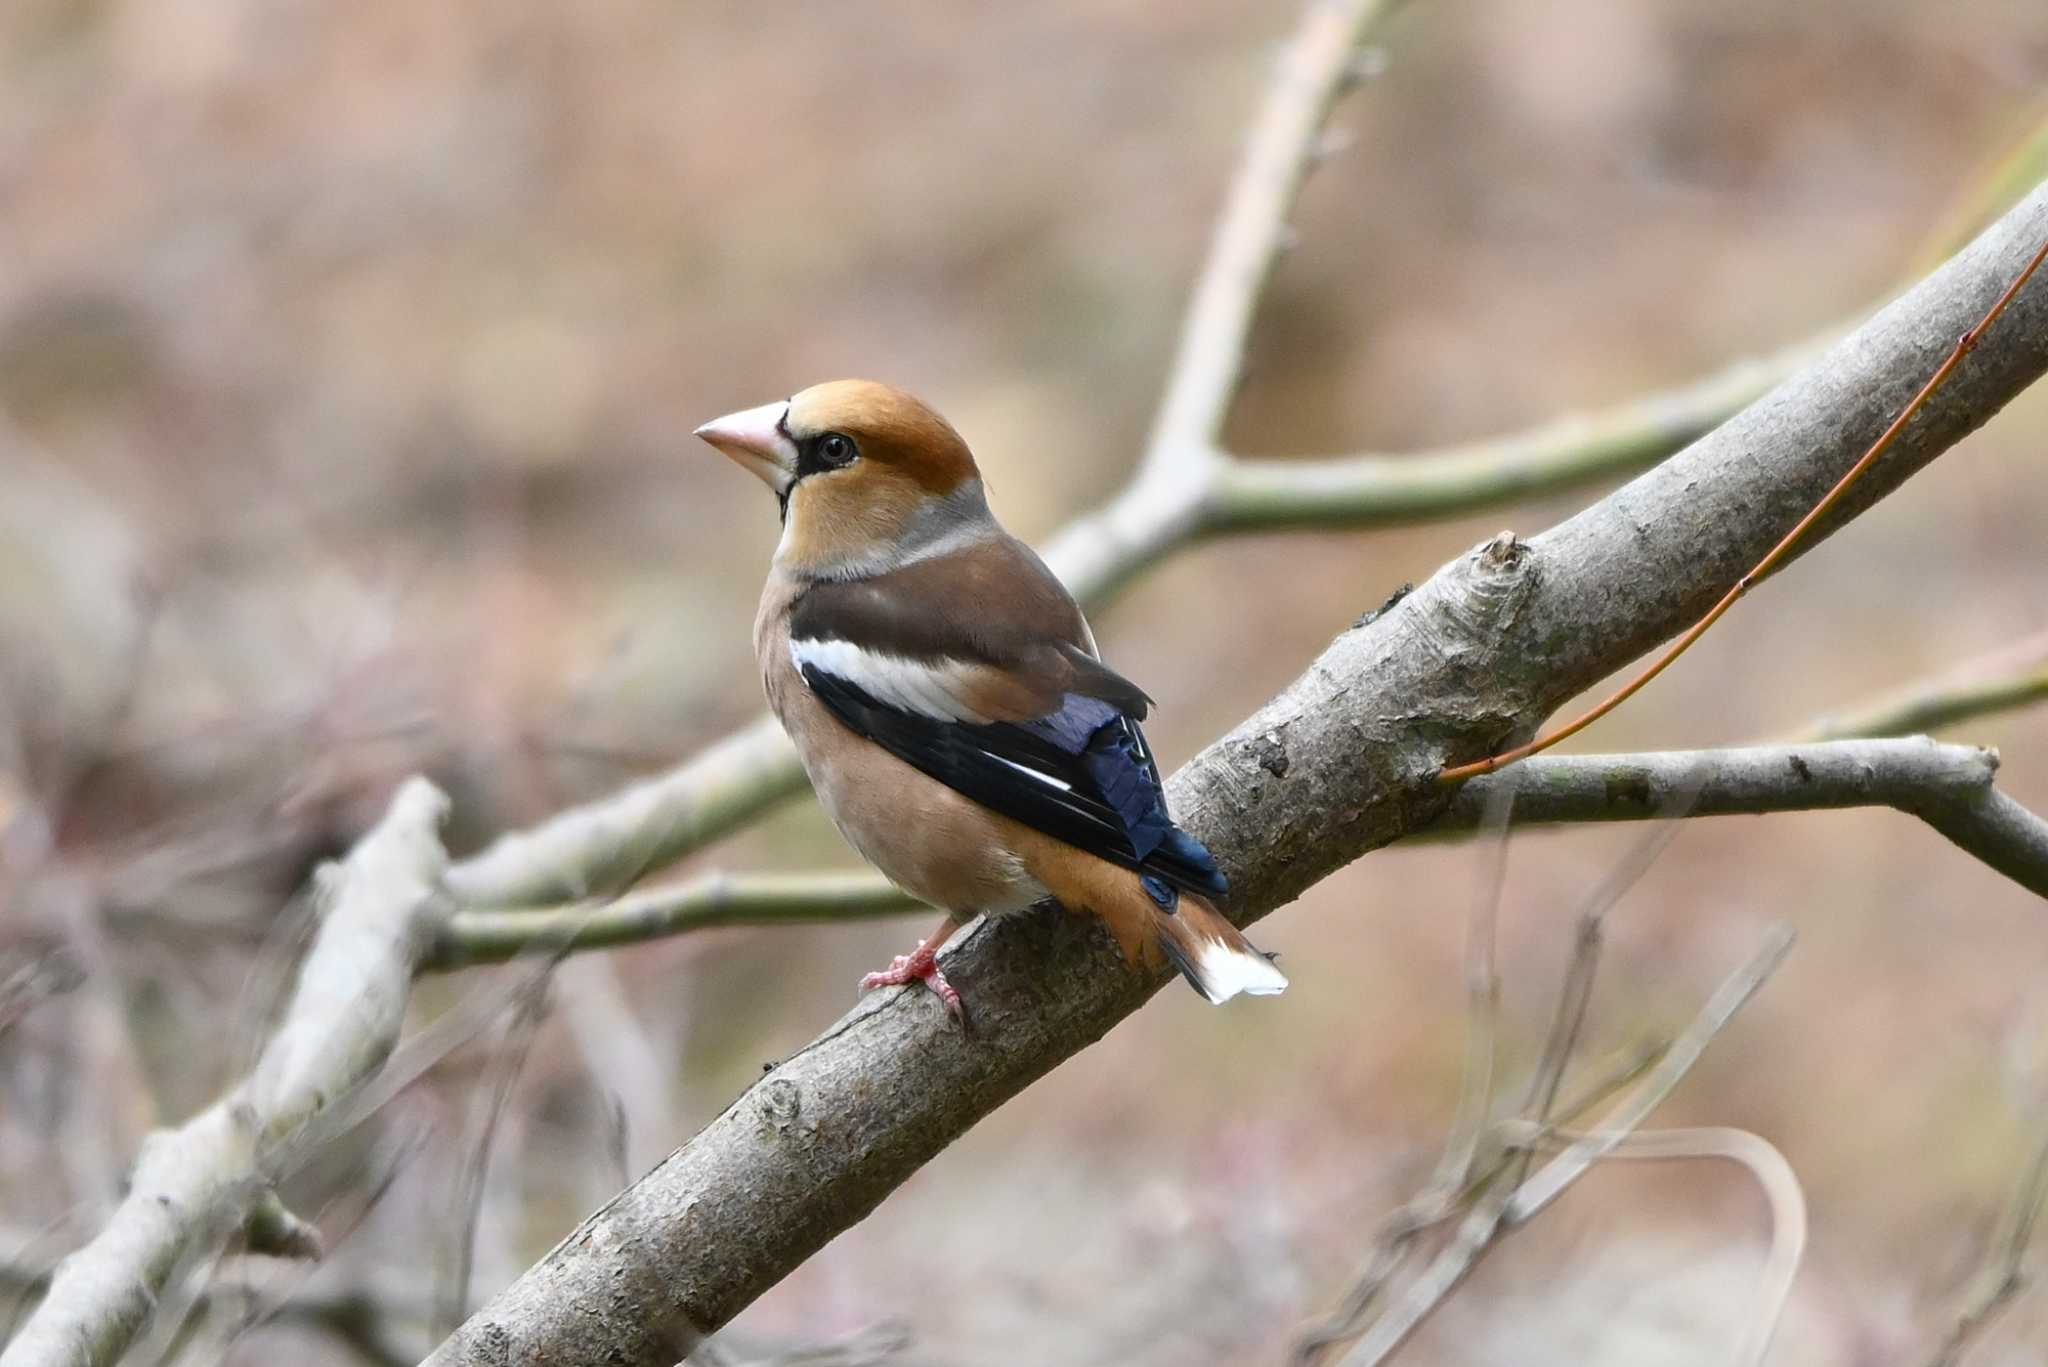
point(1344, 760)
point(194, 1186)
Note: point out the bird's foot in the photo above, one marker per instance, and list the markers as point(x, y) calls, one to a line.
point(920, 965)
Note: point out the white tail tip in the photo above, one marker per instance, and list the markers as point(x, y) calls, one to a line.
point(1225, 972)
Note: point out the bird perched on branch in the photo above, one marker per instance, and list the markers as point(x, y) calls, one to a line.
point(946, 699)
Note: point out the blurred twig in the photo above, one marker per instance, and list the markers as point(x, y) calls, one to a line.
point(363, 1319)
point(1774, 1177)
point(1549, 1182)
point(2019, 167)
point(506, 1064)
point(31, 977)
point(1459, 1182)
point(1378, 490)
point(2011, 677)
point(2006, 1277)
point(1500, 1205)
point(1482, 1005)
point(1398, 1232)
point(718, 899)
point(193, 1186)
point(874, 1346)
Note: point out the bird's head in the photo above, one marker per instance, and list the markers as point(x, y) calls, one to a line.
point(867, 476)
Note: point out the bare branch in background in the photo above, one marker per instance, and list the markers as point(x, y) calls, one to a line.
point(1549, 1182)
point(1999, 681)
point(1947, 786)
point(2006, 1277)
point(1502, 1204)
point(1774, 1177)
point(466, 1208)
point(1393, 489)
point(718, 899)
point(1399, 1231)
point(28, 979)
point(194, 1186)
point(1462, 1182)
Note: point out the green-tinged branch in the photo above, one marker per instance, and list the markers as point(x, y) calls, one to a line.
point(720, 899)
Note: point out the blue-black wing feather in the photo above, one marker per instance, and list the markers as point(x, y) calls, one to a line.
point(1107, 799)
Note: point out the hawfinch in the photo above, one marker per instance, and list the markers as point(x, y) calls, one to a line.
point(945, 697)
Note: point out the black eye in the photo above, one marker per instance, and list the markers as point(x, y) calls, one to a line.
point(835, 449)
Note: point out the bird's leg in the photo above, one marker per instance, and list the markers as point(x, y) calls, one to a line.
point(922, 965)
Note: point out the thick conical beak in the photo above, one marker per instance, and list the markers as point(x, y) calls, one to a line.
point(757, 440)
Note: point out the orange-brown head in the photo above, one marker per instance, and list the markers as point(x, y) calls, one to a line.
point(868, 477)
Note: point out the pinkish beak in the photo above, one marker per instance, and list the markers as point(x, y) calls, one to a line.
point(757, 441)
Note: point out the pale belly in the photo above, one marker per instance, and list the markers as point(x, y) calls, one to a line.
point(924, 837)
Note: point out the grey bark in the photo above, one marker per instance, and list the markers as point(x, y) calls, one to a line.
point(1341, 762)
point(1946, 786)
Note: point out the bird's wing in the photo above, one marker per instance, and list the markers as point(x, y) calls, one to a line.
point(976, 668)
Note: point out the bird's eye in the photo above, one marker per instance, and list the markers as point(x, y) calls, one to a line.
point(835, 449)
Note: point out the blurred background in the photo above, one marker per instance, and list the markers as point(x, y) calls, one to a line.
point(348, 359)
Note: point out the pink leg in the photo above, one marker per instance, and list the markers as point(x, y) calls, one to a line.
point(922, 965)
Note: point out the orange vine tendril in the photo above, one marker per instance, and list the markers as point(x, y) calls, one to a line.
point(1963, 347)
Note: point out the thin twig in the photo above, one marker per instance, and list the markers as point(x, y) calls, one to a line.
point(1452, 1186)
point(1454, 1166)
point(1550, 1181)
point(2006, 1277)
point(1502, 1206)
point(491, 936)
point(2002, 680)
point(1774, 1176)
point(1401, 488)
point(1482, 1004)
point(1576, 995)
point(1313, 70)
point(1398, 1232)
point(507, 1063)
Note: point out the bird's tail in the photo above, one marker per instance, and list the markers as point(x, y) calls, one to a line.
point(1154, 921)
point(1213, 954)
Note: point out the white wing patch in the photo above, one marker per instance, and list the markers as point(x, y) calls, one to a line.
point(912, 685)
point(1038, 774)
